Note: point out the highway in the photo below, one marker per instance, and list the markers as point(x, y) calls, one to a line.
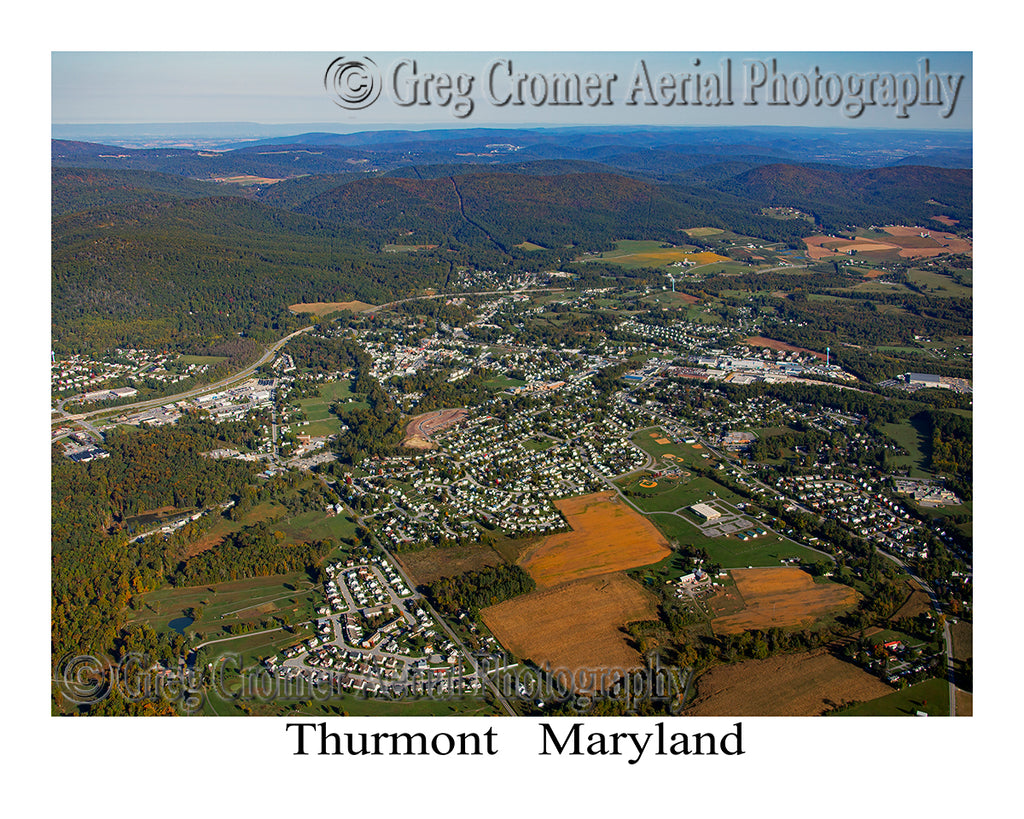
point(241, 375)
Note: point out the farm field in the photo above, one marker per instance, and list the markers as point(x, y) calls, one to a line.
point(428, 565)
point(917, 602)
point(607, 536)
point(785, 596)
point(790, 685)
point(324, 308)
point(577, 625)
point(631, 253)
point(893, 242)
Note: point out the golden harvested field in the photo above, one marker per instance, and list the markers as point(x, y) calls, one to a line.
point(792, 685)
point(576, 626)
point(607, 536)
point(323, 308)
point(785, 596)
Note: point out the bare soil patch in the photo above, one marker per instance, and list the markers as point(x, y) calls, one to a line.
point(792, 685)
point(761, 341)
point(323, 308)
point(419, 430)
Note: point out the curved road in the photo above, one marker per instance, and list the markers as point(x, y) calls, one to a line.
point(268, 354)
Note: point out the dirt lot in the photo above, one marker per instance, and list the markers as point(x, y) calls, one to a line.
point(761, 341)
point(776, 597)
point(429, 565)
point(420, 428)
point(576, 626)
point(607, 536)
point(323, 308)
point(792, 685)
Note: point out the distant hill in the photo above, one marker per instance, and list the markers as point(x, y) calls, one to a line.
point(77, 189)
point(567, 209)
point(838, 197)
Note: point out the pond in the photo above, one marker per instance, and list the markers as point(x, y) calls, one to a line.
point(179, 624)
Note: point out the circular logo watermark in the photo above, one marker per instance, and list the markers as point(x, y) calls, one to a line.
point(352, 82)
point(83, 680)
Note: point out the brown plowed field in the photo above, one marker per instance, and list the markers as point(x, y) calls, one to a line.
point(576, 626)
point(792, 685)
point(777, 597)
point(607, 536)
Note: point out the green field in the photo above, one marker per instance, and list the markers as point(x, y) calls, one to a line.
point(730, 551)
point(930, 696)
point(232, 603)
point(317, 410)
point(315, 525)
point(917, 441)
point(670, 495)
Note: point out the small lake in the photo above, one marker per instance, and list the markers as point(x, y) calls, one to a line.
point(179, 624)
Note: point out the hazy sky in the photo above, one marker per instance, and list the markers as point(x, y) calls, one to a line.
point(286, 87)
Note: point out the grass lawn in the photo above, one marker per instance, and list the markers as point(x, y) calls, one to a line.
point(917, 441)
point(231, 603)
point(501, 382)
point(317, 410)
point(315, 525)
point(730, 551)
point(930, 696)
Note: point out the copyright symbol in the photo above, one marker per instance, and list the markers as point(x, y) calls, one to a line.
point(353, 83)
point(82, 680)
